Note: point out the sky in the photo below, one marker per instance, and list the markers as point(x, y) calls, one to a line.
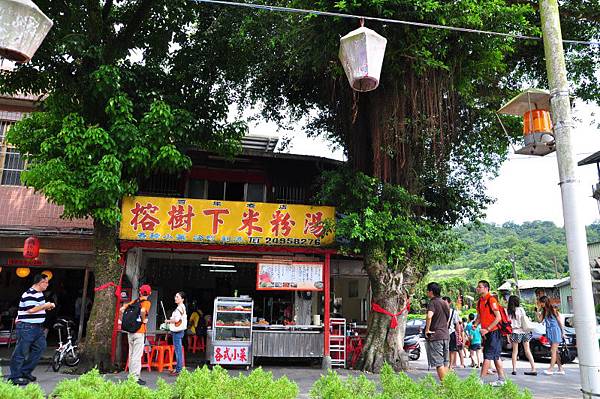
point(527, 187)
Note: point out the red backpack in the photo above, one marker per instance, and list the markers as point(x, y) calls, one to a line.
point(504, 325)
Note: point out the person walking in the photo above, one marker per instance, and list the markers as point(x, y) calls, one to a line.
point(520, 335)
point(31, 340)
point(177, 325)
point(555, 333)
point(488, 317)
point(436, 330)
point(474, 333)
point(136, 340)
point(456, 335)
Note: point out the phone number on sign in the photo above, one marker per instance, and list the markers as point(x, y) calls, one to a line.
point(292, 241)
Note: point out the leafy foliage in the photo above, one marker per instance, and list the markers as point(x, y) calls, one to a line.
point(89, 168)
point(201, 383)
point(401, 386)
point(376, 215)
point(10, 391)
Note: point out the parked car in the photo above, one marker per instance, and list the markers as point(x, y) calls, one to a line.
point(570, 322)
point(415, 327)
point(540, 346)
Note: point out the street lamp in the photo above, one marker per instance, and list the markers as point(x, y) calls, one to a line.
point(23, 27)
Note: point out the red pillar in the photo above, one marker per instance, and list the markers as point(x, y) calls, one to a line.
point(326, 283)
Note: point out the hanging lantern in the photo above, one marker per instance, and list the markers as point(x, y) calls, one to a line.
point(23, 272)
point(534, 106)
point(31, 247)
point(361, 54)
point(23, 28)
point(48, 273)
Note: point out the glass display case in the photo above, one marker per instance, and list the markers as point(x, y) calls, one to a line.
point(232, 331)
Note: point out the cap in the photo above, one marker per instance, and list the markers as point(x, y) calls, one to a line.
point(145, 290)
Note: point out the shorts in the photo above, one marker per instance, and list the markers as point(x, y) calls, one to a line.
point(454, 346)
point(437, 352)
point(520, 337)
point(492, 345)
point(475, 347)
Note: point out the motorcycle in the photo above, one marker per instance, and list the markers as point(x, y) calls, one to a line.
point(412, 346)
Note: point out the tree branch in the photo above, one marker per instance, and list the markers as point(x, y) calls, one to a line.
point(125, 36)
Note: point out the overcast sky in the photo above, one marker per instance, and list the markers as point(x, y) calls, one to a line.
point(527, 187)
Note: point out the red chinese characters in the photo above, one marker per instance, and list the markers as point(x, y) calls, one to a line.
point(230, 355)
point(143, 217)
point(216, 213)
point(313, 224)
point(248, 222)
point(281, 221)
point(179, 218)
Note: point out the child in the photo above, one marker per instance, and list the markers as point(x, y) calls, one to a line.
point(475, 339)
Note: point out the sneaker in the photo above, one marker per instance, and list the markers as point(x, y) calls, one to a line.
point(560, 372)
point(548, 372)
point(19, 381)
point(141, 382)
point(30, 377)
point(498, 383)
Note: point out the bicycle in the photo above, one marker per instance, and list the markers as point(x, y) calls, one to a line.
point(66, 352)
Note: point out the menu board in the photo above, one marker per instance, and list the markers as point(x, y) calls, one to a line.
point(290, 277)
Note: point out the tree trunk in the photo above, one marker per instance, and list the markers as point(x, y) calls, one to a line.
point(384, 344)
point(95, 351)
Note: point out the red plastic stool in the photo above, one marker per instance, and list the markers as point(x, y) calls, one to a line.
point(162, 356)
point(146, 356)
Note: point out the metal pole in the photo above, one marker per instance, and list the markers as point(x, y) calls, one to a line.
point(326, 281)
point(83, 303)
point(581, 279)
point(514, 270)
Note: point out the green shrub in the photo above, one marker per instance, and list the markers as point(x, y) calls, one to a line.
point(401, 386)
point(413, 316)
point(201, 383)
point(10, 391)
point(218, 384)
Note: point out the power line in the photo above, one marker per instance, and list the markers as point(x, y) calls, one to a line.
point(387, 20)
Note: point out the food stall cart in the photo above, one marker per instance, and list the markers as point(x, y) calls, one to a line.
point(230, 341)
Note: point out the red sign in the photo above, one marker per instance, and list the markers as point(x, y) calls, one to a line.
point(31, 247)
point(230, 355)
point(24, 262)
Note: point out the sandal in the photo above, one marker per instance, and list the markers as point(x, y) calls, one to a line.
point(530, 373)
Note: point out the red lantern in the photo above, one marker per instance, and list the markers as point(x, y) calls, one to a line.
point(31, 248)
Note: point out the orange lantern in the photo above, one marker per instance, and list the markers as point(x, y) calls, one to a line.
point(31, 248)
point(48, 273)
point(23, 272)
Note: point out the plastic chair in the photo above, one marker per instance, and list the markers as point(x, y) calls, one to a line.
point(146, 359)
point(162, 356)
point(196, 343)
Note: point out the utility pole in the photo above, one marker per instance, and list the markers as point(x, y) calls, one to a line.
point(555, 266)
point(514, 270)
point(581, 279)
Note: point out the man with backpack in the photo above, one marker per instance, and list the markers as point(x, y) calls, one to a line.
point(490, 318)
point(134, 320)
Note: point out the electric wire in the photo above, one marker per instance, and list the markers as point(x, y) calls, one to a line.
point(388, 20)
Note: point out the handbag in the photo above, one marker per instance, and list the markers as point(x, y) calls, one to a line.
point(526, 324)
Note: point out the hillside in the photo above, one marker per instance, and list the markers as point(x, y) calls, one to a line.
point(534, 246)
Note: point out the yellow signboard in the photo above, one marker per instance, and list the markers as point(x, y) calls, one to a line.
point(224, 222)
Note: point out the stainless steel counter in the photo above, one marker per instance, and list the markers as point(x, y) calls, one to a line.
point(292, 341)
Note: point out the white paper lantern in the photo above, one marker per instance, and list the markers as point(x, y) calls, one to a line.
point(361, 53)
point(23, 28)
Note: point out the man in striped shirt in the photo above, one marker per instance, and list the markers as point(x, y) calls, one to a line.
point(31, 340)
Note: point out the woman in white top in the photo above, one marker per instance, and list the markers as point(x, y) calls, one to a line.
point(520, 335)
point(178, 324)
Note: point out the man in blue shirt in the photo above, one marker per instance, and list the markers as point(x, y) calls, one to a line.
point(31, 340)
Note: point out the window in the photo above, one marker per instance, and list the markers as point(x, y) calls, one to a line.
point(13, 165)
point(216, 190)
point(234, 191)
point(11, 162)
point(197, 189)
point(255, 192)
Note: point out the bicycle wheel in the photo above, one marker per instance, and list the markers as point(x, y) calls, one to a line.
point(56, 361)
point(72, 357)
